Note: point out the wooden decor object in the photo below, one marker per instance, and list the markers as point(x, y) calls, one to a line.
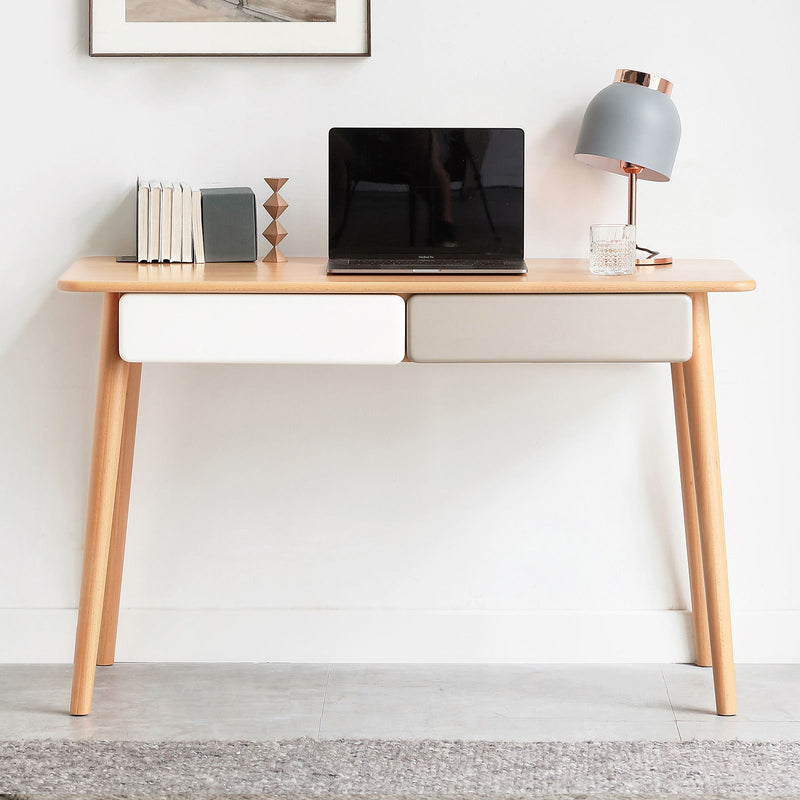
point(275, 232)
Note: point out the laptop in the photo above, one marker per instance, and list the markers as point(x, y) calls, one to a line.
point(426, 200)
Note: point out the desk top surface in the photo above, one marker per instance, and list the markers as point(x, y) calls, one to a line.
point(307, 276)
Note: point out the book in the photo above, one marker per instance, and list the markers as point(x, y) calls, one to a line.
point(197, 227)
point(177, 221)
point(186, 225)
point(165, 222)
point(165, 245)
point(142, 219)
point(154, 227)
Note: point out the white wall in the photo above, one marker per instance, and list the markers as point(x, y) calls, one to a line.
point(409, 513)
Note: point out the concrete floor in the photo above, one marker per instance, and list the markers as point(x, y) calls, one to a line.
point(279, 701)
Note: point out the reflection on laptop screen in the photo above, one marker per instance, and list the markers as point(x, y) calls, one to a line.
point(416, 192)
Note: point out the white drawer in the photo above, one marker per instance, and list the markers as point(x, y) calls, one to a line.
point(549, 328)
point(262, 329)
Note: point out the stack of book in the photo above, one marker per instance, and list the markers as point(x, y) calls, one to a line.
point(169, 224)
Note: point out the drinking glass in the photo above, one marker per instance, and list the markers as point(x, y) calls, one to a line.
point(613, 249)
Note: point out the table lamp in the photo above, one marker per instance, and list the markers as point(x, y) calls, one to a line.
point(632, 128)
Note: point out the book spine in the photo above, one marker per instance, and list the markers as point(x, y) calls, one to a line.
point(197, 227)
point(165, 248)
point(177, 218)
point(154, 235)
point(142, 220)
point(186, 243)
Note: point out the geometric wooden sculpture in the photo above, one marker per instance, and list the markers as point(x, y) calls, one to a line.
point(275, 232)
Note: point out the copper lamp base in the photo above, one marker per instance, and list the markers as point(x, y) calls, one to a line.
point(654, 261)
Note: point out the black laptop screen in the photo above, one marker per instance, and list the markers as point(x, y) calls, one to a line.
point(426, 192)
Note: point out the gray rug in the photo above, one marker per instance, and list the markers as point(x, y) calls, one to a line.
point(398, 770)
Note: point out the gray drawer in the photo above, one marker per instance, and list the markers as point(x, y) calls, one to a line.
point(549, 328)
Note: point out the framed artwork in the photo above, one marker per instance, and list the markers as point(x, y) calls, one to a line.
point(229, 28)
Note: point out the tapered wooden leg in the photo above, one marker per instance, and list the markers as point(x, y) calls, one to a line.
point(112, 382)
point(702, 643)
point(116, 555)
point(699, 378)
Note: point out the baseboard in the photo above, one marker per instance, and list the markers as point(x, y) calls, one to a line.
point(46, 636)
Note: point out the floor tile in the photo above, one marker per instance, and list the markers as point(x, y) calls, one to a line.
point(167, 701)
point(495, 692)
point(723, 728)
point(766, 692)
point(471, 727)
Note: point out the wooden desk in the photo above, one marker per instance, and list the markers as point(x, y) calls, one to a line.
point(692, 378)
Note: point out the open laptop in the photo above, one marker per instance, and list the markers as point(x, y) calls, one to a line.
point(426, 200)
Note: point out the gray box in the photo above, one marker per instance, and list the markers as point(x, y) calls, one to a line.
point(229, 224)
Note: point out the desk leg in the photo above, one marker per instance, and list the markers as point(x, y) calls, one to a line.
point(112, 380)
point(116, 555)
point(702, 643)
point(699, 376)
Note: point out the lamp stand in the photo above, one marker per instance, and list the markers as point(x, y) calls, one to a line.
point(654, 259)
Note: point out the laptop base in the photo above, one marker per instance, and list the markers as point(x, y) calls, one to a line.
point(349, 266)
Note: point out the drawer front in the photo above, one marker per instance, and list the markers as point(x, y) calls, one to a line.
point(549, 328)
point(262, 329)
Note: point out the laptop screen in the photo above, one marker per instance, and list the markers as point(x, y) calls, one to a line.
point(426, 192)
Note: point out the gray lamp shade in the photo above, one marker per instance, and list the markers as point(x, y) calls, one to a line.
point(634, 123)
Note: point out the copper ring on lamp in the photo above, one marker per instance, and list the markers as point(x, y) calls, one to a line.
point(645, 79)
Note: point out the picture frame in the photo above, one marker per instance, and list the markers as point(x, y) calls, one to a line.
point(229, 28)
